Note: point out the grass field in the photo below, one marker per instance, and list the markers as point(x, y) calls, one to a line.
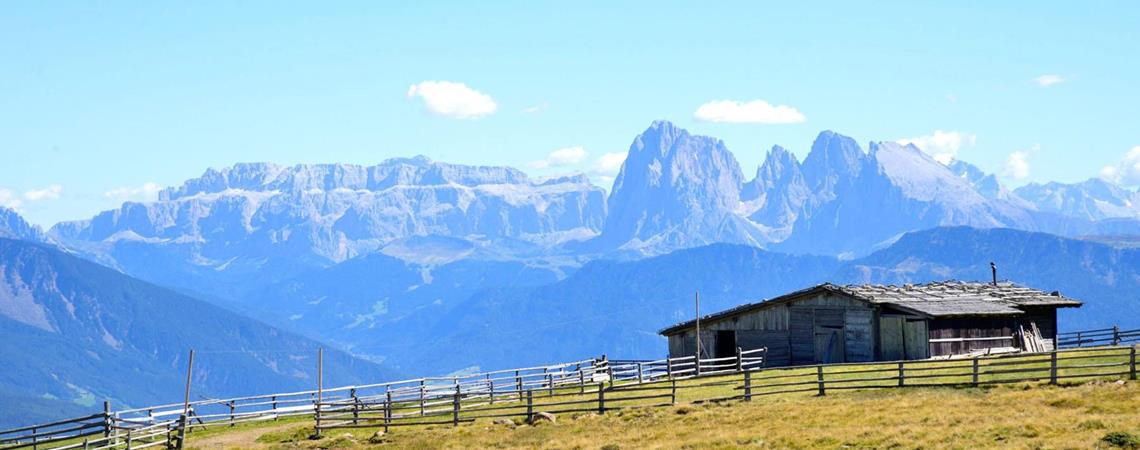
point(1007, 416)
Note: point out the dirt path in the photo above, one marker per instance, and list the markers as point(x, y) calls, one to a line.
point(236, 439)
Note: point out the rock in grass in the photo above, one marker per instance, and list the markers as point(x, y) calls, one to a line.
point(377, 438)
point(504, 422)
point(543, 417)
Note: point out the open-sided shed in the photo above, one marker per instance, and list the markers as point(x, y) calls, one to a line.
point(830, 323)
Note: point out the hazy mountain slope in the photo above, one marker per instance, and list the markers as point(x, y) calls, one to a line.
point(1107, 278)
point(78, 332)
point(611, 307)
point(381, 307)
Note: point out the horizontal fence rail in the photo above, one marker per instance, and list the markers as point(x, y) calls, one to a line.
point(592, 385)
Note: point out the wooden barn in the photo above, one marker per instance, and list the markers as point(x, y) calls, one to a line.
point(829, 323)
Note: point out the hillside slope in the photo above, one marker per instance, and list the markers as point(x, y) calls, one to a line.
point(73, 333)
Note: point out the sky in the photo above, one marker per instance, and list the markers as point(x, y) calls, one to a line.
point(103, 102)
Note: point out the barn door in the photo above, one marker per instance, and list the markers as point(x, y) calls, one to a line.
point(891, 338)
point(917, 340)
point(829, 346)
point(725, 343)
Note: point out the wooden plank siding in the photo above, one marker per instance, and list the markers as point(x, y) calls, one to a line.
point(972, 328)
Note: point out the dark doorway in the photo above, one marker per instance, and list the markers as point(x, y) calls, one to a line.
point(725, 343)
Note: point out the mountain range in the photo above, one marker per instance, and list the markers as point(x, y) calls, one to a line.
point(422, 267)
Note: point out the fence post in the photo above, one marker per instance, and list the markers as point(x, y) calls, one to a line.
point(492, 383)
point(669, 367)
point(697, 364)
point(529, 407)
point(275, 408)
point(518, 384)
point(739, 359)
point(902, 374)
point(975, 377)
point(355, 406)
point(819, 379)
point(1132, 362)
point(747, 385)
point(423, 388)
point(387, 408)
point(550, 384)
point(1080, 342)
point(36, 439)
point(640, 378)
point(673, 392)
point(1053, 367)
point(455, 410)
point(107, 419)
point(231, 403)
point(129, 437)
point(581, 381)
point(601, 398)
point(1115, 335)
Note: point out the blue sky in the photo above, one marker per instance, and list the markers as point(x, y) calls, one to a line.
point(102, 101)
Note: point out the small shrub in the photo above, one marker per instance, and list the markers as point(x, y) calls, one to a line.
point(1065, 403)
point(683, 409)
point(1122, 439)
point(1091, 425)
point(611, 447)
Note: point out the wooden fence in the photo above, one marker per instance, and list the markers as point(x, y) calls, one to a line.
point(596, 384)
point(1104, 336)
point(101, 431)
point(598, 387)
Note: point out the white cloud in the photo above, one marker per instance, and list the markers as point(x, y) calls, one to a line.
point(943, 146)
point(606, 168)
point(455, 100)
point(952, 98)
point(1127, 171)
point(755, 111)
point(559, 158)
point(1049, 80)
point(609, 163)
point(9, 199)
point(535, 109)
point(49, 193)
point(148, 192)
point(1017, 163)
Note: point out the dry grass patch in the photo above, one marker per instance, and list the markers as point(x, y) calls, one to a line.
point(1095, 415)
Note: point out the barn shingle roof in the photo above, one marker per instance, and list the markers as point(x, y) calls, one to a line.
point(936, 300)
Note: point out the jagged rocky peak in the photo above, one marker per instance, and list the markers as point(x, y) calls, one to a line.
point(13, 226)
point(675, 190)
point(780, 167)
point(834, 159)
point(417, 171)
point(667, 158)
point(986, 184)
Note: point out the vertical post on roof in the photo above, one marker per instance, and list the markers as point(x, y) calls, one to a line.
point(697, 301)
point(993, 272)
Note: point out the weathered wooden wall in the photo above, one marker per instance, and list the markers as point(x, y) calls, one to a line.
point(789, 330)
point(973, 328)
